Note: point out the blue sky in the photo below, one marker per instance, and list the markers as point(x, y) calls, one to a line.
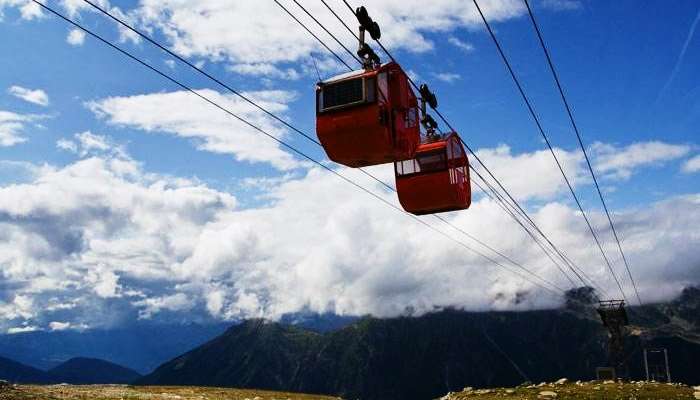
point(635, 95)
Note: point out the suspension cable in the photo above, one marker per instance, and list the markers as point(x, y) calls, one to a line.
point(282, 142)
point(416, 87)
point(277, 118)
point(575, 269)
point(310, 33)
point(549, 145)
point(324, 28)
point(569, 112)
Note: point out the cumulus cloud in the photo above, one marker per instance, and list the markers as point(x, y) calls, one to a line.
point(74, 7)
point(88, 143)
point(620, 162)
point(28, 9)
point(13, 125)
point(184, 115)
point(76, 37)
point(175, 302)
point(36, 96)
point(203, 29)
point(692, 165)
point(102, 234)
point(75, 238)
point(534, 175)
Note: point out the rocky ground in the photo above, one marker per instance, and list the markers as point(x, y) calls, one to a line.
point(123, 392)
point(607, 390)
point(563, 389)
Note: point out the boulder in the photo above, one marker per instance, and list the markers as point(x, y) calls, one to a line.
point(547, 394)
point(561, 381)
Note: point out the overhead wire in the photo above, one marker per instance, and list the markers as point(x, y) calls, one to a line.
point(311, 33)
point(549, 145)
point(573, 267)
point(569, 112)
point(413, 83)
point(279, 141)
point(277, 118)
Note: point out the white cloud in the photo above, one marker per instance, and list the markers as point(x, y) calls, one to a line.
point(462, 45)
point(13, 125)
point(447, 77)
point(74, 7)
point(620, 162)
point(88, 231)
point(534, 175)
point(183, 114)
point(22, 329)
point(204, 29)
point(36, 96)
point(150, 307)
point(94, 237)
point(59, 326)
point(264, 69)
point(87, 143)
point(28, 9)
point(67, 145)
point(76, 37)
point(21, 307)
point(692, 165)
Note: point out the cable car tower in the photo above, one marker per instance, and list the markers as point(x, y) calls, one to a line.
point(614, 317)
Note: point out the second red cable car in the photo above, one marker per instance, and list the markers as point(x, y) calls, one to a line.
point(368, 117)
point(437, 179)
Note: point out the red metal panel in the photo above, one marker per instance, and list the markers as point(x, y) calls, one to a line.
point(372, 133)
point(433, 191)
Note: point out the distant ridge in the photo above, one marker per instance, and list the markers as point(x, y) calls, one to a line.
point(425, 357)
point(87, 371)
point(15, 372)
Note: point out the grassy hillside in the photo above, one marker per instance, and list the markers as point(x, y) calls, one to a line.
point(607, 390)
point(572, 391)
point(121, 392)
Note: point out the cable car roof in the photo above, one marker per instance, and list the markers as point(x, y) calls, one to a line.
point(436, 144)
point(347, 75)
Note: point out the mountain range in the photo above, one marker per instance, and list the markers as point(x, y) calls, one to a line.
point(394, 358)
point(140, 346)
point(425, 357)
point(79, 371)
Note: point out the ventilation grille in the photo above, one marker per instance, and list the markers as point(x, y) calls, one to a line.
point(343, 93)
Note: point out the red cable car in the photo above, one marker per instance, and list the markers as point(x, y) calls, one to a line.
point(368, 117)
point(437, 179)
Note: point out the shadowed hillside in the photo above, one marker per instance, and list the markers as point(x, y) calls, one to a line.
point(91, 371)
point(16, 372)
point(424, 357)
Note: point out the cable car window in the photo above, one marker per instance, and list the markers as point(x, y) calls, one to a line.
point(433, 161)
point(429, 162)
point(343, 93)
